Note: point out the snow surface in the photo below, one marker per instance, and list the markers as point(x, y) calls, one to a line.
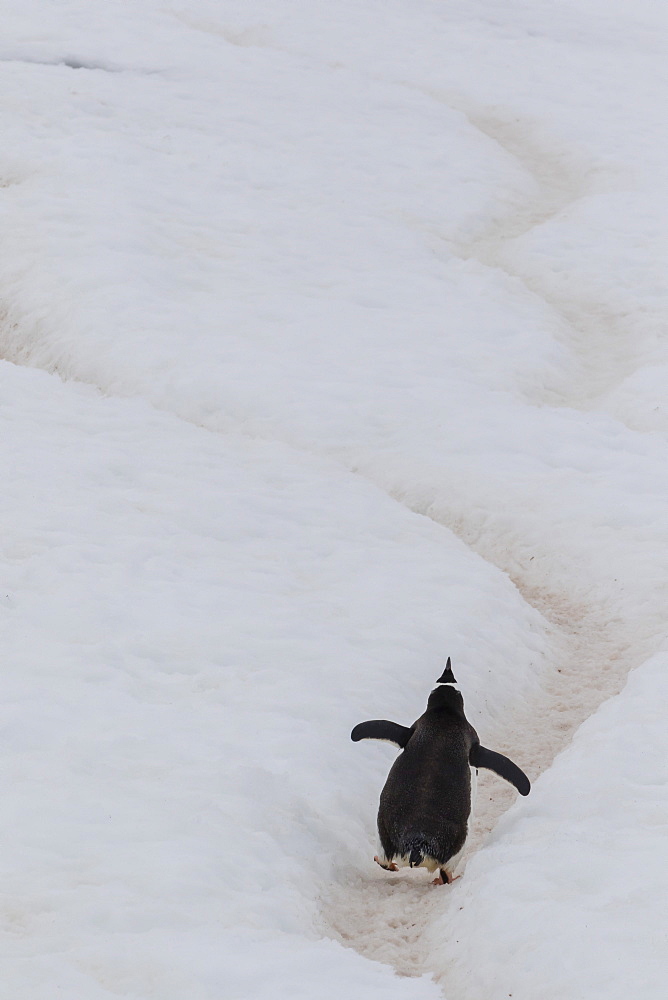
point(334, 341)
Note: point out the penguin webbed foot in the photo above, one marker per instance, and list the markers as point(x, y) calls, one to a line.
point(444, 878)
point(388, 868)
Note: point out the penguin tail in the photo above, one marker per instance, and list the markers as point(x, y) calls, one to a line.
point(422, 849)
point(415, 858)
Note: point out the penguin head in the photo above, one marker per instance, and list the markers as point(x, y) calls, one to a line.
point(446, 696)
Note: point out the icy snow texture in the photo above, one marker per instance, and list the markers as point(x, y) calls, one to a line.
point(383, 286)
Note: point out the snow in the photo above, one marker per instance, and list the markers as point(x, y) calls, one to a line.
point(334, 344)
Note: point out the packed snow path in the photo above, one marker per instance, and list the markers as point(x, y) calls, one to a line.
point(385, 287)
point(386, 917)
point(592, 652)
point(591, 327)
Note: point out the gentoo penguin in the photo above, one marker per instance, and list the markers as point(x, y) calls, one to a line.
point(425, 806)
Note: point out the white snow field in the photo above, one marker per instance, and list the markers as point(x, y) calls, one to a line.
point(334, 343)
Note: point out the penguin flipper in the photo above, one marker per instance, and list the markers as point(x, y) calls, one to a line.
point(482, 757)
point(381, 729)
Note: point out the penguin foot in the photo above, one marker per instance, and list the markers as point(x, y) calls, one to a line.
point(388, 868)
point(444, 878)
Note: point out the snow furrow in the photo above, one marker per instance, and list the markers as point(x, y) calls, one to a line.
point(599, 336)
point(385, 917)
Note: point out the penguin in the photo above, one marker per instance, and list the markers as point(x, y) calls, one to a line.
point(425, 806)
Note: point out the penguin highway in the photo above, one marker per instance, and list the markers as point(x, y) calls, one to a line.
point(425, 806)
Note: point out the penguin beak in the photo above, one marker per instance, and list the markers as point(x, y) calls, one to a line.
point(447, 677)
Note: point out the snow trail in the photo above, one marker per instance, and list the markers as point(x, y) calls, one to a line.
point(588, 325)
point(385, 917)
point(598, 335)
